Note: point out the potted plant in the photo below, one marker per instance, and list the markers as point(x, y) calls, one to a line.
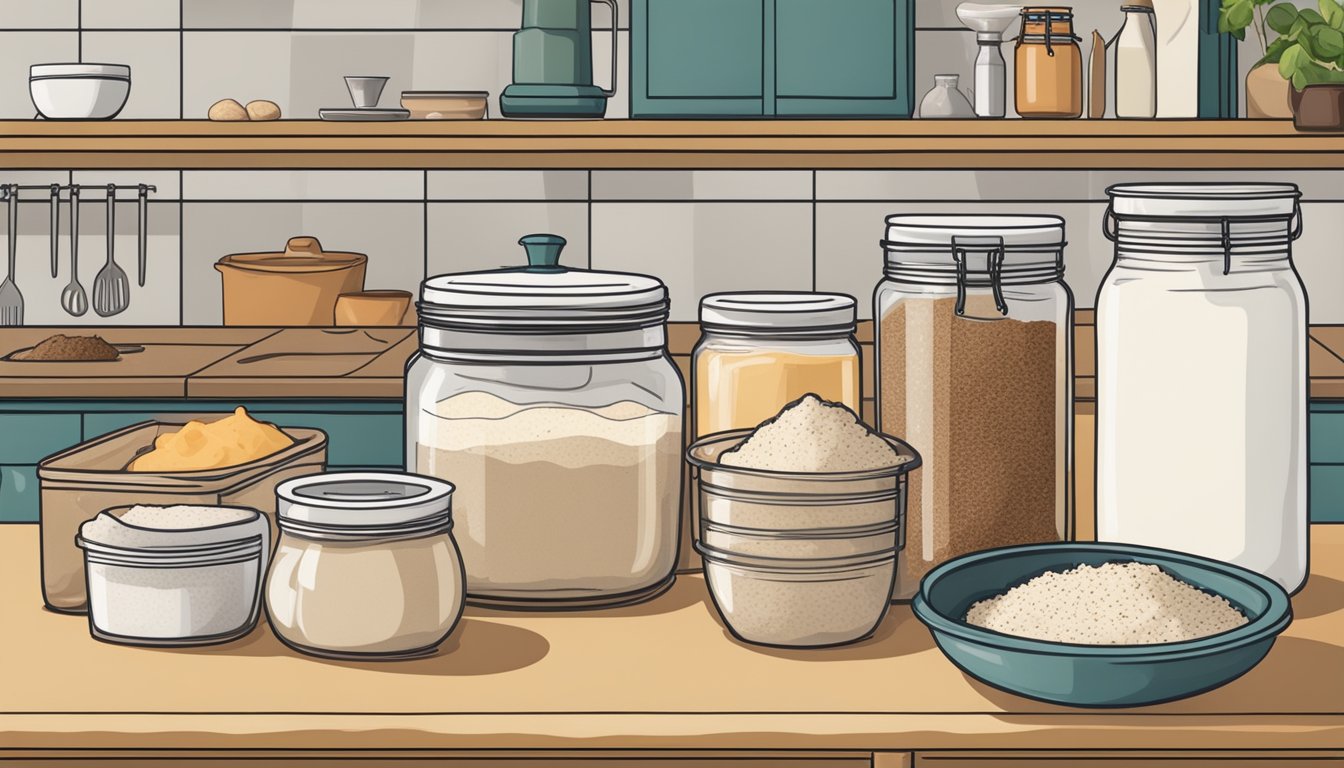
point(1266, 89)
point(1312, 60)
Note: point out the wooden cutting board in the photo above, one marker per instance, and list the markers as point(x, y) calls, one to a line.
point(312, 362)
point(161, 370)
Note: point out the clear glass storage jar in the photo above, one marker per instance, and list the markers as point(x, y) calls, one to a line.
point(974, 337)
point(761, 351)
point(1202, 376)
point(548, 397)
point(365, 566)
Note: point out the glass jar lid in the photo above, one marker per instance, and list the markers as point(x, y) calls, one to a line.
point(782, 312)
point(364, 504)
point(543, 296)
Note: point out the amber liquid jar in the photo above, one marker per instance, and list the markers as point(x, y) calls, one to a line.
point(1049, 81)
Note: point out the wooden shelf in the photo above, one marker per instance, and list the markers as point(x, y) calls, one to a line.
point(907, 144)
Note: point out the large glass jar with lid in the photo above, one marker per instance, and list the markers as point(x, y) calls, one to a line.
point(546, 395)
point(760, 351)
point(974, 347)
point(1202, 375)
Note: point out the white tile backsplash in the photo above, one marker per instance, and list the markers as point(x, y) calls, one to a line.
point(518, 185)
point(39, 14)
point(472, 236)
point(699, 248)
point(702, 185)
point(18, 52)
point(130, 14)
point(304, 185)
point(155, 71)
point(236, 65)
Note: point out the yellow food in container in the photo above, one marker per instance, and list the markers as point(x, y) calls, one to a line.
point(229, 442)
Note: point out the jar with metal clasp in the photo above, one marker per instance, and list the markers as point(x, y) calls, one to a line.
point(1049, 64)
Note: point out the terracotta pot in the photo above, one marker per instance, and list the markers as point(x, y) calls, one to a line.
point(297, 286)
point(1267, 93)
point(1318, 107)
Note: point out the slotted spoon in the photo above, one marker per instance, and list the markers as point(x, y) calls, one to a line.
point(11, 301)
point(73, 299)
point(111, 288)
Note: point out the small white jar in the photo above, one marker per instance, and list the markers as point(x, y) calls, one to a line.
point(366, 565)
point(1202, 376)
point(176, 576)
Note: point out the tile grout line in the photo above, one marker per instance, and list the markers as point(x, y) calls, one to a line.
point(814, 230)
point(588, 206)
point(182, 256)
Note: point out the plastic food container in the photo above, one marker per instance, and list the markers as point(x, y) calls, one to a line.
point(296, 286)
point(79, 91)
point(801, 544)
point(82, 481)
point(366, 566)
point(181, 586)
point(800, 607)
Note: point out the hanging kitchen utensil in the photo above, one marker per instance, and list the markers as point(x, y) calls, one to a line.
point(144, 233)
point(553, 62)
point(11, 301)
point(111, 289)
point(73, 299)
point(55, 225)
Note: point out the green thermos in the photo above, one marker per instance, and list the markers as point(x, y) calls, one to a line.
point(553, 62)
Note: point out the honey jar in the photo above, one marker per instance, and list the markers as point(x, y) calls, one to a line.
point(1049, 63)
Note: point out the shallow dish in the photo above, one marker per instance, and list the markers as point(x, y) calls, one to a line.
point(79, 91)
point(446, 105)
point(1097, 675)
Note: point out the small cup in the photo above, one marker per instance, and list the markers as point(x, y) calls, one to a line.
point(365, 91)
point(372, 308)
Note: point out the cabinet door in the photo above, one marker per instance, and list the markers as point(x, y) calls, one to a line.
point(698, 58)
point(844, 57)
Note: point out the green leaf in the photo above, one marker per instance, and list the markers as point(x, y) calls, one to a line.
point(1291, 61)
point(1300, 25)
point(1281, 17)
point(1239, 15)
point(1333, 13)
point(1299, 80)
point(1311, 16)
point(1275, 50)
point(1327, 44)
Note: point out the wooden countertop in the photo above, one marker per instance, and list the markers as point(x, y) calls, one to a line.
point(345, 363)
point(587, 144)
point(663, 675)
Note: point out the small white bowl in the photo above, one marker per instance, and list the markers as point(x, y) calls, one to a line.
point(79, 91)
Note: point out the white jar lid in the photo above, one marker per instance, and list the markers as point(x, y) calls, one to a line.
point(543, 296)
point(939, 230)
point(355, 502)
point(1204, 201)
point(780, 311)
point(116, 71)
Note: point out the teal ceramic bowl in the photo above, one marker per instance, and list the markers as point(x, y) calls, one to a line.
point(1097, 675)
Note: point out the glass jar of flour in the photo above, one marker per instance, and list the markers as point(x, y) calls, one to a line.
point(546, 395)
point(1202, 375)
point(975, 370)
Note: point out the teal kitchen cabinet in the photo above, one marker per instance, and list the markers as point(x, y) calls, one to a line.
point(772, 58)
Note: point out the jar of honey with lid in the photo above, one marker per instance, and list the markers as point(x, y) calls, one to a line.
point(1049, 63)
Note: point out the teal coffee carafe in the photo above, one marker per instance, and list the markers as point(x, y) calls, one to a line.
point(553, 62)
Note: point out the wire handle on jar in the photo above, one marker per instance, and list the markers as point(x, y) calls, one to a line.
point(994, 255)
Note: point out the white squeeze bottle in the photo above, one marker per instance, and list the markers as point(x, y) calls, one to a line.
point(1136, 62)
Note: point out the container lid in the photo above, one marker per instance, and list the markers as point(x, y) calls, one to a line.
point(783, 311)
point(366, 503)
point(543, 296)
point(1200, 201)
point(118, 71)
point(940, 230)
point(301, 254)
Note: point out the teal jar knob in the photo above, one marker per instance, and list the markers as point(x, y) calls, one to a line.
point(543, 252)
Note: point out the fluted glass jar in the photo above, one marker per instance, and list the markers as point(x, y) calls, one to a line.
point(548, 397)
point(974, 346)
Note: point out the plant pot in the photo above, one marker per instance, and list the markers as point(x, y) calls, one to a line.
point(1267, 93)
point(1318, 107)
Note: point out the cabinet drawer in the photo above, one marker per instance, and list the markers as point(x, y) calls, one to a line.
point(843, 56)
point(1327, 493)
point(19, 496)
point(1327, 434)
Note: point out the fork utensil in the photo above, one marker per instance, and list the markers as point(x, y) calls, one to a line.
point(11, 300)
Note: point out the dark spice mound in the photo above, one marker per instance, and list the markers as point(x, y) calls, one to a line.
point(70, 348)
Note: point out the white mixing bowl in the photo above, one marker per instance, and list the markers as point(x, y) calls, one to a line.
point(79, 91)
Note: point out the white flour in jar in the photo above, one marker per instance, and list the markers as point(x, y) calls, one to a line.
point(812, 435)
point(555, 501)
